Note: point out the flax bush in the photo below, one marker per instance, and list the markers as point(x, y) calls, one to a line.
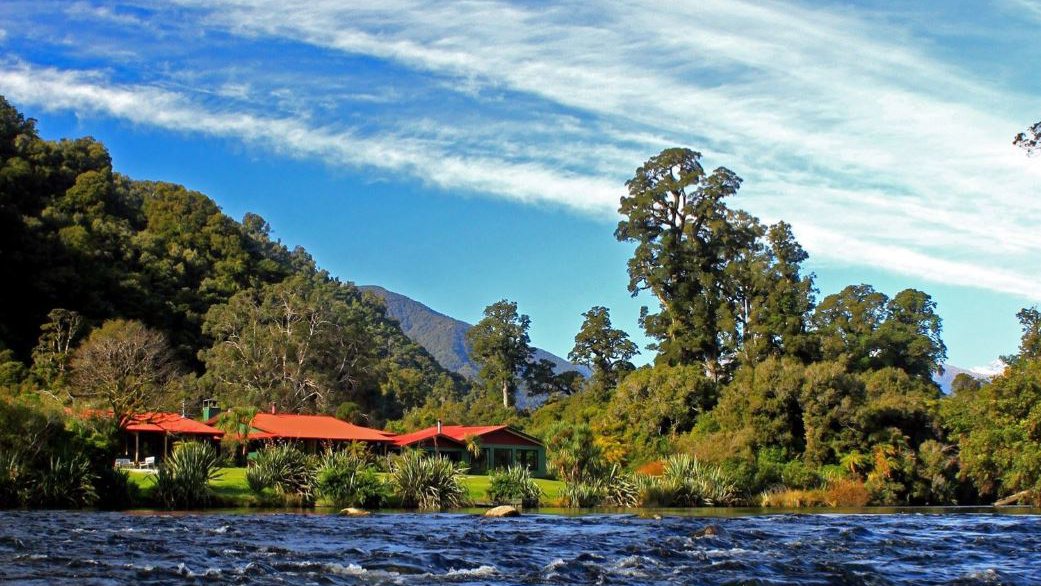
point(686, 482)
point(514, 485)
point(348, 480)
point(427, 482)
point(183, 480)
point(287, 471)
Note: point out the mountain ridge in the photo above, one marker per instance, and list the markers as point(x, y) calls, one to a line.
point(444, 336)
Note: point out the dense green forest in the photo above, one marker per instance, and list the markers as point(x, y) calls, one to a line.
point(128, 295)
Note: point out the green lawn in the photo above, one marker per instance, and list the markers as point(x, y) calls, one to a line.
point(231, 487)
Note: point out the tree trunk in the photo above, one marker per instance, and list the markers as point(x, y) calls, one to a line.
point(505, 394)
point(1011, 500)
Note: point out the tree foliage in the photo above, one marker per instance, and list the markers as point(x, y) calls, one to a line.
point(727, 287)
point(500, 346)
point(123, 366)
point(603, 348)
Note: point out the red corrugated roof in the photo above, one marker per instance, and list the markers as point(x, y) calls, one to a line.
point(170, 423)
point(408, 439)
point(318, 427)
point(458, 433)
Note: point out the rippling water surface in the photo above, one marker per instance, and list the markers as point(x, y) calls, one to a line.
point(109, 548)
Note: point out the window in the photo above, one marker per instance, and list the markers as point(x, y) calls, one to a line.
point(503, 457)
point(528, 459)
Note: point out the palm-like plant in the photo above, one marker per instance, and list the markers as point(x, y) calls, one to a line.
point(855, 462)
point(235, 423)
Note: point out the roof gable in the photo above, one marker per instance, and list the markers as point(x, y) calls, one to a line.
point(169, 423)
point(317, 427)
point(460, 433)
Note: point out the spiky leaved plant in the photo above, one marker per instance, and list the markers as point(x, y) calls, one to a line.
point(183, 479)
point(286, 470)
point(347, 480)
point(514, 485)
point(428, 482)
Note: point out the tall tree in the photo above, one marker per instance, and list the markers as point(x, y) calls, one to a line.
point(777, 322)
point(910, 338)
point(603, 348)
point(1030, 341)
point(500, 346)
point(868, 330)
point(302, 344)
point(122, 366)
point(685, 236)
point(53, 351)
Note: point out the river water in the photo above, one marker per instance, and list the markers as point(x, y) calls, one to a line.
point(287, 548)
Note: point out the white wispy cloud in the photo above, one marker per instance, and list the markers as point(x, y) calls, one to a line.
point(879, 153)
point(89, 92)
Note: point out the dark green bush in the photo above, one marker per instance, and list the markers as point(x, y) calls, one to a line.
point(65, 483)
point(183, 480)
point(287, 471)
point(514, 485)
point(347, 480)
point(428, 482)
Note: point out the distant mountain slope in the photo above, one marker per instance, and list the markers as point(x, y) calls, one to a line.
point(950, 372)
point(443, 336)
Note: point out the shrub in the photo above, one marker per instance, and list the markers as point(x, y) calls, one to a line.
point(431, 483)
point(286, 470)
point(783, 497)
point(620, 488)
point(685, 482)
point(607, 487)
point(582, 494)
point(348, 481)
point(66, 483)
point(514, 485)
point(847, 493)
point(654, 468)
point(797, 475)
point(717, 487)
point(12, 480)
point(681, 474)
point(183, 480)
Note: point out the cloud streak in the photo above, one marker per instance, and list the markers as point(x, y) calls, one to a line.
point(88, 92)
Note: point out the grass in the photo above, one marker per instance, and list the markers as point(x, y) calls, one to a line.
point(231, 488)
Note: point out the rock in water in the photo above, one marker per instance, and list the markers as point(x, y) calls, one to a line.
point(503, 511)
point(707, 531)
point(354, 512)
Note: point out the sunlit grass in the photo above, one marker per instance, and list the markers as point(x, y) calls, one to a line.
point(231, 487)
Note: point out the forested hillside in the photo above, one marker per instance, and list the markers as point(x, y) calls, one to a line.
point(246, 318)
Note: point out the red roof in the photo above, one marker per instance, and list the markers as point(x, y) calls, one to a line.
point(415, 437)
point(169, 423)
point(319, 427)
point(457, 433)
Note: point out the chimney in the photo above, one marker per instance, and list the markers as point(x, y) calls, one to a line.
point(210, 409)
point(438, 427)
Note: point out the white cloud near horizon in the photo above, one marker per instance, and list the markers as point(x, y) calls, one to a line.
point(878, 153)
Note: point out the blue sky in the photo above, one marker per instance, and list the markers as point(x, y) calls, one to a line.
point(461, 152)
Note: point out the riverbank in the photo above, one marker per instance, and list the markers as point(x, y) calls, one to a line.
point(231, 490)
